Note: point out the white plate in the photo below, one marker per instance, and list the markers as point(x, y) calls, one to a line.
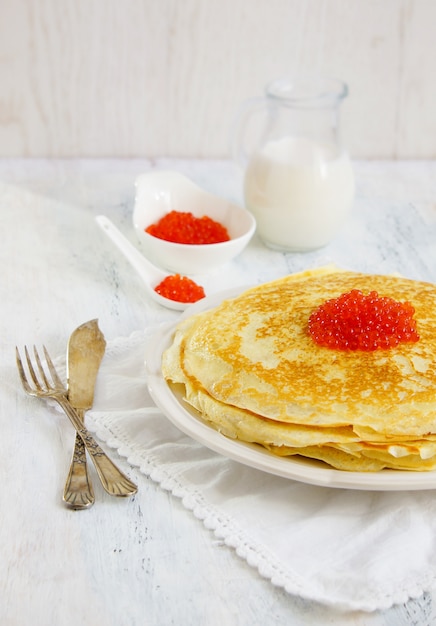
point(169, 398)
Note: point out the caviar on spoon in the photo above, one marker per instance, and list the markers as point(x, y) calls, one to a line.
point(170, 290)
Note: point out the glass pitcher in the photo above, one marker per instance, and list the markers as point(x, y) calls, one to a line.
point(298, 182)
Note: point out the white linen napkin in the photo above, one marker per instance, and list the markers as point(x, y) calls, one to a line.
point(356, 550)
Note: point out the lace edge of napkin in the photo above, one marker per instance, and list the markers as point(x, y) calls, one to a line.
point(234, 537)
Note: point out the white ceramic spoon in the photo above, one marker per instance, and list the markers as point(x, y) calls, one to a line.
point(150, 274)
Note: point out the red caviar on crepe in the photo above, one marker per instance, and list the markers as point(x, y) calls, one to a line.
point(354, 321)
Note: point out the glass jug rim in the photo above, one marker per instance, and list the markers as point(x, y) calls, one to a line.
point(307, 90)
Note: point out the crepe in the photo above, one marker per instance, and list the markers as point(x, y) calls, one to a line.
point(252, 370)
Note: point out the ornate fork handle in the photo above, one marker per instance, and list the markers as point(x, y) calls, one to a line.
point(78, 491)
point(113, 480)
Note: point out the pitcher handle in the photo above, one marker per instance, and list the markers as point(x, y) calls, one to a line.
point(238, 128)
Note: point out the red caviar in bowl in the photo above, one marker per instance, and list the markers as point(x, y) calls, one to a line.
point(183, 227)
point(354, 321)
point(180, 289)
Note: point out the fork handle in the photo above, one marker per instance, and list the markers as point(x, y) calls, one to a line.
point(113, 480)
point(78, 491)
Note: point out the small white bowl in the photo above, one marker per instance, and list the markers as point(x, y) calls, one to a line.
point(158, 193)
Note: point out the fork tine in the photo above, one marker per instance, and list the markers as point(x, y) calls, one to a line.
point(21, 371)
point(31, 370)
point(51, 367)
point(40, 368)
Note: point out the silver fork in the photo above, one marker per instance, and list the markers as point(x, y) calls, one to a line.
point(112, 479)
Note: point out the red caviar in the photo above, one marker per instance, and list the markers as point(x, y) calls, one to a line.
point(180, 289)
point(180, 227)
point(354, 321)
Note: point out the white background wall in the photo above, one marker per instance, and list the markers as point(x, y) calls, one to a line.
point(128, 78)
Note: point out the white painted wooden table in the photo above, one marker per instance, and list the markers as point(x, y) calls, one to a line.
point(146, 560)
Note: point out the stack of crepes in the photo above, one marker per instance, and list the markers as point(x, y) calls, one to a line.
point(252, 370)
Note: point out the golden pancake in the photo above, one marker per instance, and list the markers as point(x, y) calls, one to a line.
point(241, 424)
point(252, 369)
point(368, 462)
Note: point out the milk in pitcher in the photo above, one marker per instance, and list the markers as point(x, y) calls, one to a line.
point(299, 191)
